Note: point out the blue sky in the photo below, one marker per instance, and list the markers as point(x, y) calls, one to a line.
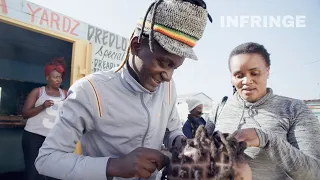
point(295, 63)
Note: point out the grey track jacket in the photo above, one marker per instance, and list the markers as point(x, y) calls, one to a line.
point(289, 136)
point(112, 114)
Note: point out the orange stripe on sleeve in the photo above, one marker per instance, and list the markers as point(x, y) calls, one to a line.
point(99, 107)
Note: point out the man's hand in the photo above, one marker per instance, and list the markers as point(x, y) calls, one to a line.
point(141, 163)
point(249, 136)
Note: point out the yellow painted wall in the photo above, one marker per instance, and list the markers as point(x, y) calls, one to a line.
point(81, 53)
point(88, 41)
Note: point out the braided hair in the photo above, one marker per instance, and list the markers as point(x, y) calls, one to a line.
point(57, 64)
point(57, 61)
point(155, 5)
point(209, 155)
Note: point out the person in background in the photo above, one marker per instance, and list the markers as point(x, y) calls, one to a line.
point(40, 110)
point(283, 135)
point(121, 116)
point(194, 118)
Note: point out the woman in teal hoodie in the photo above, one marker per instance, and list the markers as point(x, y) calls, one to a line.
point(283, 135)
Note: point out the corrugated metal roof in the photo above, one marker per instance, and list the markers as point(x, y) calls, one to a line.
point(185, 96)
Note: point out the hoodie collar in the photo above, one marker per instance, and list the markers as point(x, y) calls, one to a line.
point(261, 101)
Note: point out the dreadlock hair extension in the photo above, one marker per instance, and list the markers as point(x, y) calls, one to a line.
point(205, 156)
point(152, 25)
point(126, 57)
point(144, 20)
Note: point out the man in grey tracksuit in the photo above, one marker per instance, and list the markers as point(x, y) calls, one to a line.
point(121, 116)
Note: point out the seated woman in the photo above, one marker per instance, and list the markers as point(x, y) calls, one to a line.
point(283, 135)
point(41, 109)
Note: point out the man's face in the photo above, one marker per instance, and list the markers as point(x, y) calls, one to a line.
point(249, 75)
point(153, 68)
point(197, 111)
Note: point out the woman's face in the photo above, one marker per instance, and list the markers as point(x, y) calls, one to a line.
point(54, 79)
point(249, 74)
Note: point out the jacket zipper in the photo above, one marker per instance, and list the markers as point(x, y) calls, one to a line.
point(144, 105)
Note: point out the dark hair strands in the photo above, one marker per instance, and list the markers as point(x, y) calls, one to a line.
point(251, 48)
point(58, 61)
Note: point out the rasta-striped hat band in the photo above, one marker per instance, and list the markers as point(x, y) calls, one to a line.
point(177, 26)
